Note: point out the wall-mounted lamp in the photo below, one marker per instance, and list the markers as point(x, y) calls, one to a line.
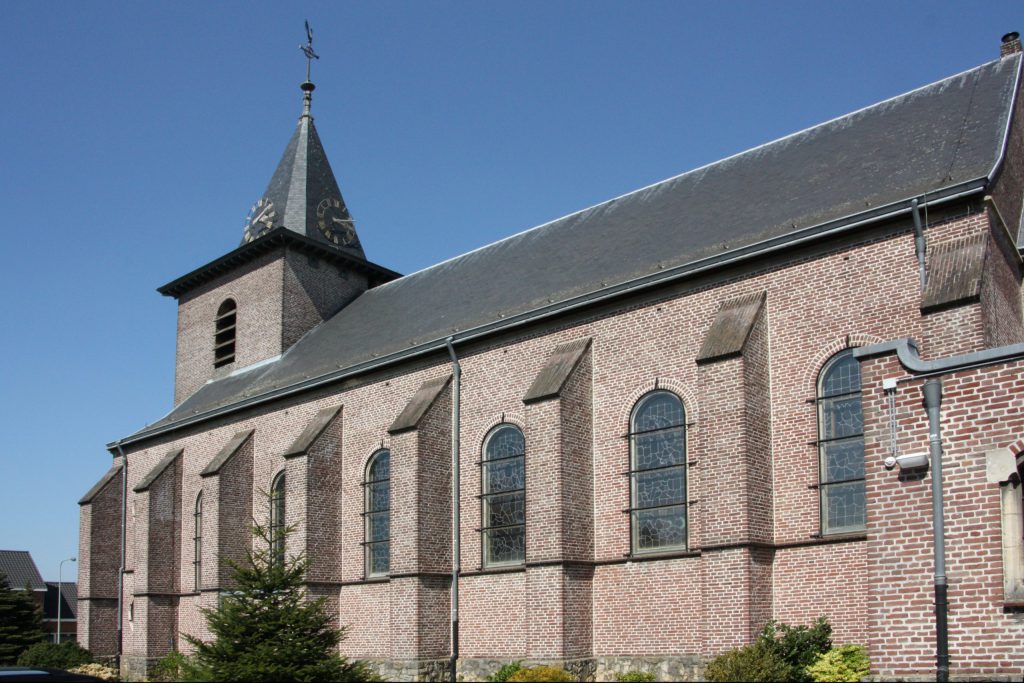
point(913, 462)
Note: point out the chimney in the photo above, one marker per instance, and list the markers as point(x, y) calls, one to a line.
point(1011, 44)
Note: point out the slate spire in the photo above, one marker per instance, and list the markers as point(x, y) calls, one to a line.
point(303, 195)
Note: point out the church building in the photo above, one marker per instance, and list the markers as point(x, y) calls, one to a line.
point(785, 385)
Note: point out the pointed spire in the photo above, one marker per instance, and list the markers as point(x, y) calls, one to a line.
point(303, 195)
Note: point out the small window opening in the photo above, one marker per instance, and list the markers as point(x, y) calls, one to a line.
point(277, 527)
point(224, 337)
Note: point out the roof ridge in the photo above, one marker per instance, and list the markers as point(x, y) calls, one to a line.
point(692, 170)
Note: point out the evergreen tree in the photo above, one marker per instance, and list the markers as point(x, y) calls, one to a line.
point(268, 629)
point(21, 622)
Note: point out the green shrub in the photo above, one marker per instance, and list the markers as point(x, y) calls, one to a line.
point(540, 674)
point(268, 629)
point(505, 672)
point(67, 655)
point(843, 663)
point(635, 677)
point(21, 622)
point(177, 667)
point(798, 646)
point(755, 663)
point(781, 653)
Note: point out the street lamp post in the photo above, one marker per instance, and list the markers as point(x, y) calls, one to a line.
point(60, 591)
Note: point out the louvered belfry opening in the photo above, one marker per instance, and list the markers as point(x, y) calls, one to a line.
point(224, 338)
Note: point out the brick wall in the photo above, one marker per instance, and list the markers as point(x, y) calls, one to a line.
point(280, 296)
point(754, 547)
point(99, 558)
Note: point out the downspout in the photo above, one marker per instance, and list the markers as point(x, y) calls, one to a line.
point(932, 391)
point(907, 353)
point(120, 571)
point(919, 243)
point(456, 488)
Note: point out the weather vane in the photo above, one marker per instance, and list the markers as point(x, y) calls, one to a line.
point(307, 49)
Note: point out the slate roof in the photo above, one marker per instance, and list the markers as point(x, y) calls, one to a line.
point(303, 179)
point(936, 141)
point(20, 570)
point(69, 606)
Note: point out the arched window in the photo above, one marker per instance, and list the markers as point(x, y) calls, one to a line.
point(224, 337)
point(197, 542)
point(277, 528)
point(657, 473)
point(378, 513)
point(504, 496)
point(841, 445)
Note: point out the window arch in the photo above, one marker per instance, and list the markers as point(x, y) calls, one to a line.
point(657, 473)
point(377, 513)
point(197, 542)
point(224, 336)
point(841, 445)
point(277, 527)
point(503, 470)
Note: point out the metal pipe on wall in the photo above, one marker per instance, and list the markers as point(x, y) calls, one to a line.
point(919, 243)
point(120, 571)
point(456, 488)
point(932, 391)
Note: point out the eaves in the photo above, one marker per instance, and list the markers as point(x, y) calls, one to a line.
point(759, 250)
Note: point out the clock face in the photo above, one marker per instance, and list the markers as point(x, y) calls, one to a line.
point(334, 222)
point(260, 219)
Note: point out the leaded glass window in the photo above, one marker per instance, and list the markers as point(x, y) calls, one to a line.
point(197, 542)
point(503, 471)
point(657, 473)
point(841, 445)
point(277, 527)
point(378, 514)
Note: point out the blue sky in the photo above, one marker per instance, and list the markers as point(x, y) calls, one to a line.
point(134, 137)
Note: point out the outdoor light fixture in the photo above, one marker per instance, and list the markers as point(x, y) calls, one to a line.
point(60, 591)
point(913, 462)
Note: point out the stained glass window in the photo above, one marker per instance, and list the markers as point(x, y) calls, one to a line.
point(378, 514)
point(657, 476)
point(277, 527)
point(841, 445)
point(504, 496)
point(197, 542)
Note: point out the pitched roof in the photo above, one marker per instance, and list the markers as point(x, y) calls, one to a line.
point(937, 141)
point(69, 604)
point(20, 570)
point(303, 193)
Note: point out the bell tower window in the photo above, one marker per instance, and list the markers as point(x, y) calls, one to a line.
point(224, 337)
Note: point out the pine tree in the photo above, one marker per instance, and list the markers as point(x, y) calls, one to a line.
point(21, 622)
point(268, 629)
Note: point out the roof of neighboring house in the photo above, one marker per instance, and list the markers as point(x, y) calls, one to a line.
point(21, 570)
point(937, 141)
point(69, 606)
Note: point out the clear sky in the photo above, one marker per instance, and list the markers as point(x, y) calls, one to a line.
point(134, 137)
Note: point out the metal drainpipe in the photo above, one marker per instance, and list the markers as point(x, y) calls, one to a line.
point(932, 391)
point(456, 488)
point(120, 571)
point(919, 243)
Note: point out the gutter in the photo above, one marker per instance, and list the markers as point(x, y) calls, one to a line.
point(907, 352)
point(669, 275)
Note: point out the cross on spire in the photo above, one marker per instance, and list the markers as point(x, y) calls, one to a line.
point(307, 86)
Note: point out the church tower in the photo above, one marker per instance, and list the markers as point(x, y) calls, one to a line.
point(300, 261)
